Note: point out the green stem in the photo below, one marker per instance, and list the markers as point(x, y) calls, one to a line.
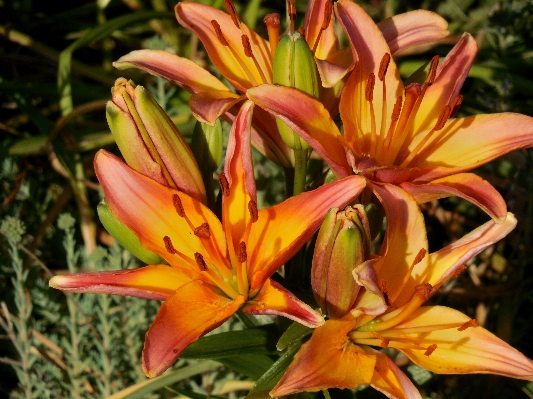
point(326, 394)
point(300, 170)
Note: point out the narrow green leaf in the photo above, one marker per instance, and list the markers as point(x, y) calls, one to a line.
point(295, 332)
point(252, 366)
point(145, 387)
point(252, 341)
point(271, 377)
point(29, 145)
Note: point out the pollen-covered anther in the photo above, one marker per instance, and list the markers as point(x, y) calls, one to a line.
point(242, 252)
point(419, 256)
point(455, 105)
point(220, 36)
point(430, 349)
point(385, 292)
point(168, 245)
point(384, 341)
point(247, 47)
point(232, 12)
point(469, 323)
point(328, 12)
point(458, 271)
point(178, 205)
point(301, 30)
point(443, 117)
point(397, 110)
point(424, 290)
point(200, 261)
point(369, 90)
point(254, 213)
point(203, 231)
point(383, 66)
point(430, 78)
point(224, 184)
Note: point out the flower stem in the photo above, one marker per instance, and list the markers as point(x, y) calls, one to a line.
point(300, 170)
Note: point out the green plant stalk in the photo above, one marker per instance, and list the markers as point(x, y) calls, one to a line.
point(24, 308)
point(300, 169)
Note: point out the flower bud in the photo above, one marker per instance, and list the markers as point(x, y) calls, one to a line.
point(150, 142)
point(342, 244)
point(294, 66)
point(125, 236)
point(207, 146)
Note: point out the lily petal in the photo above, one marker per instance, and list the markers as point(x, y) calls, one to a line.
point(230, 60)
point(192, 311)
point(239, 171)
point(390, 380)
point(327, 360)
point(292, 223)
point(307, 117)
point(208, 106)
point(460, 350)
point(443, 264)
point(369, 47)
point(335, 67)
point(471, 142)
point(179, 70)
point(412, 28)
point(148, 209)
point(465, 185)
point(273, 299)
point(450, 76)
point(405, 242)
point(150, 282)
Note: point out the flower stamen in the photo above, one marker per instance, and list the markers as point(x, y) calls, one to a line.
point(431, 348)
point(469, 323)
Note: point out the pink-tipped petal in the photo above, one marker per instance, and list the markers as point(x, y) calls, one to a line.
point(150, 282)
point(459, 349)
point(192, 311)
point(292, 223)
point(208, 106)
point(179, 70)
point(273, 299)
point(413, 28)
point(307, 117)
point(465, 185)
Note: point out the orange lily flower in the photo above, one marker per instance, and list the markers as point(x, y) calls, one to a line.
point(216, 268)
point(245, 59)
point(388, 313)
point(403, 135)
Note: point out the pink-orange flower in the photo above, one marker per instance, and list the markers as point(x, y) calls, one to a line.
point(388, 313)
point(245, 59)
point(403, 135)
point(216, 267)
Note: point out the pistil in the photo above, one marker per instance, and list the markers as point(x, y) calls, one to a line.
point(272, 22)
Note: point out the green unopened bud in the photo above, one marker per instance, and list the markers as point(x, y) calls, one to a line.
point(207, 146)
point(294, 66)
point(342, 244)
point(150, 142)
point(125, 236)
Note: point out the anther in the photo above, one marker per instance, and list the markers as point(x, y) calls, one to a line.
point(218, 32)
point(168, 245)
point(424, 290)
point(301, 31)
point(431, 348)
point(384, 64)
point(397, 110)
point(203, 231)
point(247, 47)
point(384, 291)
point(200, 261)
point(443, 117)
point(252, 208)
point(232, 12)
point(369, 91)
point(455, 105)
point(176, 200)
point(224, 185)
point(469, 323)
point(242, 252)
point(419, 256)
point(432, 70)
